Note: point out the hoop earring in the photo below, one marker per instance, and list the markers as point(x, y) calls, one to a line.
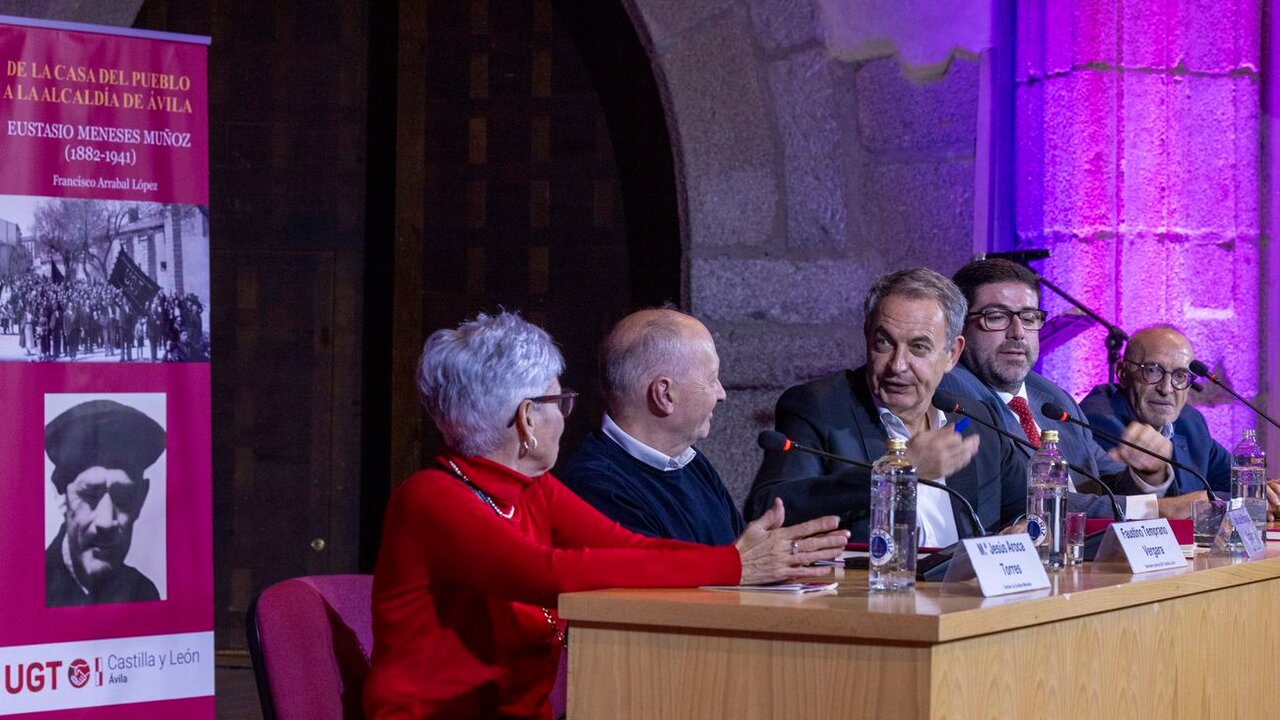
point(529, 445)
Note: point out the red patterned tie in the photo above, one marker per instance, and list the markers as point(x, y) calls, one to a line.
point(1020, 408)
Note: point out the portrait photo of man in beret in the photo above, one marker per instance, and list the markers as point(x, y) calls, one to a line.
point(103, 453)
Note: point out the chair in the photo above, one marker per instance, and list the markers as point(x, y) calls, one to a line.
point(310, 640)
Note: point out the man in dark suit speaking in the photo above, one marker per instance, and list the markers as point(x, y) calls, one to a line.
point(99, 450)
point(913, 320)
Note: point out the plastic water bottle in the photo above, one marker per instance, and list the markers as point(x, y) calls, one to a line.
point(892, 540)
point(1248, 468)
point(1249, 478)
point(1047, 500)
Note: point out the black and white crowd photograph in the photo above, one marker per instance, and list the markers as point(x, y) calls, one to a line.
point(103, 281)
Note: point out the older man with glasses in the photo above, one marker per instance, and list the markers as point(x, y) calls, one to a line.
point(1153, 381)
point(1002, 343)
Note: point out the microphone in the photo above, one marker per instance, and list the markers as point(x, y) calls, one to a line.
point(1202, 370)
point(1021, 257)
point(1057, 413)
point(958, 409)
point(777, 442)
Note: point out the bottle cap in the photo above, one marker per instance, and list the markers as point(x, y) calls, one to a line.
point(895, 444)
point(1049, 436)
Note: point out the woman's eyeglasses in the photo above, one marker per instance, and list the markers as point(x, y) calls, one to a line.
point(565, 400)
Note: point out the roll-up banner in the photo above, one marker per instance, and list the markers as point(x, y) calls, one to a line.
point(106, 590)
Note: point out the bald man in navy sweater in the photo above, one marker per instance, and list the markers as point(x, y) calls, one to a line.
point(661, 379)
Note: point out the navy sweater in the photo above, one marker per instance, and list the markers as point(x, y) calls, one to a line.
point(689, 504)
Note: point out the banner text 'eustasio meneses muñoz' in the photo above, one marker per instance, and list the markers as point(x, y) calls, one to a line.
point(106, 586)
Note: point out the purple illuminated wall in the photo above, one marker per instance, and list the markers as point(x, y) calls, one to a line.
point(1138, 164)
point(805, 168)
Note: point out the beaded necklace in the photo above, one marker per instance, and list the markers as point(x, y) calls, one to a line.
point(559, 634)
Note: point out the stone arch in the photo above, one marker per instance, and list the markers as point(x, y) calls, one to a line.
point(628, 93)
point(120, 13)
point(800, 176)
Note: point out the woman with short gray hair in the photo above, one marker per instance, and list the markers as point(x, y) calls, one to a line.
point(472, 379)
point(477, 548)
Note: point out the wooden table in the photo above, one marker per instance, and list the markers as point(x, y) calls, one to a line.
point(1190, 643)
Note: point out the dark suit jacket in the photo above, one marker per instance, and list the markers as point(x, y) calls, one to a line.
point(61, 589)
point(1075, 443)
point(837, 414)
point(1109, 411)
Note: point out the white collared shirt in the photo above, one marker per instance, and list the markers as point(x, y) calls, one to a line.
point(934, 516)
point(645, 454)
point(1136, 507)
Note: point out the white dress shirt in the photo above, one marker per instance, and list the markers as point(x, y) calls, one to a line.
point(644, 453)
point(934, 516)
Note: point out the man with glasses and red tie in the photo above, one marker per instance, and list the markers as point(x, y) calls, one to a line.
point(1152, 383)
point(1002, 343)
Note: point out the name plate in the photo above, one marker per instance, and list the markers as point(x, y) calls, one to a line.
point(1241, 523)
point(1005, 564)
point(1145, 544)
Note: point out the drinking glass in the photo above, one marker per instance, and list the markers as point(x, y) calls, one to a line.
point(1073, 537)
point(1206, 516)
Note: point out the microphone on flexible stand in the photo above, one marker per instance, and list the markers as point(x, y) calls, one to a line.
point(958, 409)
point(1057, 413)
point(932, 568)
point(1202, 370)
point(777, 442)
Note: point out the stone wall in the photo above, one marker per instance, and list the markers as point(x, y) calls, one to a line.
point(802, 177)
point(93, 12)
point(1138, 165)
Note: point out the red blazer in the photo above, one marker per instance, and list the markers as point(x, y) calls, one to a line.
point(458, 591)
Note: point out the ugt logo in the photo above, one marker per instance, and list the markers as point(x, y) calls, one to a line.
point(79, 672)
point(34, 677)
point(31, 676)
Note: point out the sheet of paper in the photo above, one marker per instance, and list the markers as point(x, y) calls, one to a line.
point(792, 588)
